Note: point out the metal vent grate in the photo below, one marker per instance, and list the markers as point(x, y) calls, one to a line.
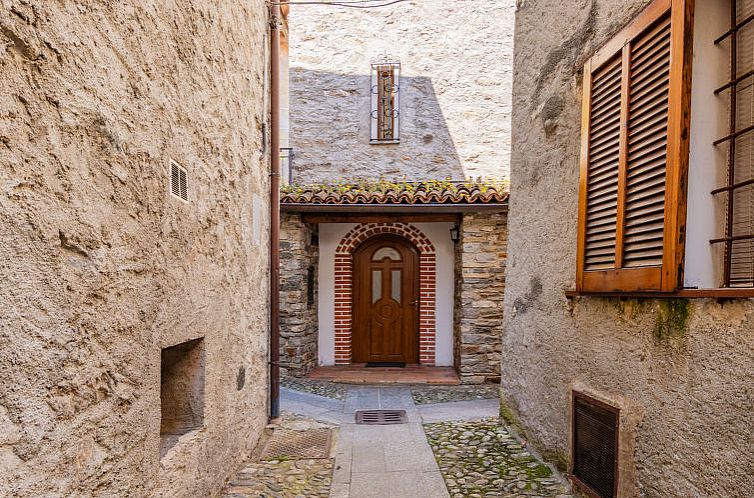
point(595, 445)
point(298, 445)
point(381, 417)
point(178, 181)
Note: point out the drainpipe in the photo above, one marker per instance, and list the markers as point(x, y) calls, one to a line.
point(275, 24)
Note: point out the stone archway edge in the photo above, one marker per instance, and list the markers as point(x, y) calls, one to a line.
point(344, 287)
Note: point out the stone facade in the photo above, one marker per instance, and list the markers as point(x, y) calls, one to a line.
point(679, 370)
point(102, 267)
point(455, 90)
point(480, 283)
point(299, 267)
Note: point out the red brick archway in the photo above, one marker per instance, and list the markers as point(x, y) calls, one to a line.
point(344, 287)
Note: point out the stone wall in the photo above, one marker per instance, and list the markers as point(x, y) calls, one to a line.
point(101, 267)
point(679, 370)
point(299, 267)
point(480, 283)
point(455, 90)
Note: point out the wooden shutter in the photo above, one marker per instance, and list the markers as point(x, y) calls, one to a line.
point(634, 154)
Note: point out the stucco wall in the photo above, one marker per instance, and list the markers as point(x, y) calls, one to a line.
point(455, 89)
point(330, 235)
point(680, 371)
point(101, 267)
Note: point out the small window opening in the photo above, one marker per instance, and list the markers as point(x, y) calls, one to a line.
point(595, 446)
point(181, 391)
point(385, 99)
point(178, 181)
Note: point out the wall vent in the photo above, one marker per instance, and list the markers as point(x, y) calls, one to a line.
point(178, 181)
point(595, 446)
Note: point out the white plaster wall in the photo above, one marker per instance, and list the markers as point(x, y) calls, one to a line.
point(330, 235)
point(709, 117)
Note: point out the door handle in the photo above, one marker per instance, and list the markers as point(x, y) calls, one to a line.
point(414, 302)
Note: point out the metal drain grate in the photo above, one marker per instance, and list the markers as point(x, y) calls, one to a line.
point(298, 445)
point(381, 417)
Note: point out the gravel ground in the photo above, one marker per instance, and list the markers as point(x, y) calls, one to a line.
point(283, 477)
point(320, 387)
point(424, 395)
point(481, 459)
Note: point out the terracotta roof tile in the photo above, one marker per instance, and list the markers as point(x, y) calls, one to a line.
point(418, 193)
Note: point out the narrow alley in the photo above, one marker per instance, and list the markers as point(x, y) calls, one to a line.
point(443, 448)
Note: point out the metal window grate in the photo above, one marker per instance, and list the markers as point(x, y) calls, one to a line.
point(178, 181)
point(385, 97)
point(595, 446)
point(739, 190)
point(381, 417)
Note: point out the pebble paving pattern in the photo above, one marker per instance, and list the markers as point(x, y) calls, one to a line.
point(424, 395)
point(276, 478)
point(481, 459)
point(319, 387)
point(282, 476)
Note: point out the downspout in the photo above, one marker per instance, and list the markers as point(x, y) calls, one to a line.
point(275, 24)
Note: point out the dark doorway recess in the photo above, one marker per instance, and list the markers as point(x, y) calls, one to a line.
point(386, 298)
point(595, 446)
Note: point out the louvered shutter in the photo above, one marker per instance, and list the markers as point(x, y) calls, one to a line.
point(634, 156)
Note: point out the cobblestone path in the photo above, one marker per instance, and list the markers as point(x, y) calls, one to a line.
point(481, 459)
point(424, 395)
point(283, 477)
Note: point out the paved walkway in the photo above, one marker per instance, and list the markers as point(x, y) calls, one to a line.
point(391, 461)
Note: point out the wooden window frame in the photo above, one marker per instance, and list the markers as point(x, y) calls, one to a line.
point(669, 276)
point(378, 99)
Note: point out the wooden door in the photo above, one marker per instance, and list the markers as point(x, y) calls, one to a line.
point(385, 326)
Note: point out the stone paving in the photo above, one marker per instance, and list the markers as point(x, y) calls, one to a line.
point(481, 459)
point(282, 477)
point(443, 394)
point(319, 387)
point(458, 443)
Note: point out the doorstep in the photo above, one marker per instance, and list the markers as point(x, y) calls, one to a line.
point(358, 373)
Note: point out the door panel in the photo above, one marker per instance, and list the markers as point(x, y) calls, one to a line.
point(385, 326)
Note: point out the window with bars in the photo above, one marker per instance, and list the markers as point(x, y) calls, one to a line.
point(385, 99)
point(738, 146)
point(655, 144)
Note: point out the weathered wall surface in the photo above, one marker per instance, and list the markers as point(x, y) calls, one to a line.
point(455, 90)
point(481, 260)
point(299, 269)
point(101, 267)
point(679, 370)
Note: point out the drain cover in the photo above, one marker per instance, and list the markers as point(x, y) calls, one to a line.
point(298, 445)
point(381, 417)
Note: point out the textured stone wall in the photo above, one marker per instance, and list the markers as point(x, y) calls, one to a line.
point(101, 267)
point(480, 267)
point(299, 267)
point(455, 89)
point(680, 371)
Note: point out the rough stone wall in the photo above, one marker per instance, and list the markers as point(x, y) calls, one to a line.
point(481, 262)
point(680, 371)
point(101, 267)
point(299, 262)
point(455, 90)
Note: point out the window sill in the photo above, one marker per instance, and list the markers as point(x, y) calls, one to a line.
point(720, 293)
point(384, 142)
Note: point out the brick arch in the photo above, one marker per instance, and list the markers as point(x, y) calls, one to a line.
point(344, 287)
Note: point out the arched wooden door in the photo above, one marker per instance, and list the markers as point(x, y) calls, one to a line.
point(385, 326)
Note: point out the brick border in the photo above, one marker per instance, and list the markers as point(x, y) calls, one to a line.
point(344, 287)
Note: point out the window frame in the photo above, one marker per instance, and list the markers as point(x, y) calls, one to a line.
point(669, 276)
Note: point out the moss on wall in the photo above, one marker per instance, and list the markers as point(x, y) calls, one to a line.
point(672, 318)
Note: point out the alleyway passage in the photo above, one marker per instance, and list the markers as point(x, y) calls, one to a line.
point(397, 461)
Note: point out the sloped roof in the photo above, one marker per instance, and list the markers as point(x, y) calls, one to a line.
point(421, 193)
